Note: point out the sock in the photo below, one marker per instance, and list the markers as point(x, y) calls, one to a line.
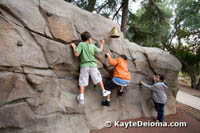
point(82, 96)
point(108, 100)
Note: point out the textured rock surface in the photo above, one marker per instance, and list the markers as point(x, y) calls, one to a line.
point(39, 73)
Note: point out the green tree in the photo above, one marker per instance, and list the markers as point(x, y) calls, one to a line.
point(154, 25)
point(150, 26)
point(187, 31)
point(88, 5)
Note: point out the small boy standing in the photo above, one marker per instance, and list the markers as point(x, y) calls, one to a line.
point(88, 64)
point(121, 76)
point(159, 95)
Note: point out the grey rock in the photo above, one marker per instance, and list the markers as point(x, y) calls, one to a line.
point(14, 87)
point(46, 105)
point(30, 54)
point(58, 56)
point(21, 89)
point(18, 115)
point(62, 29)
point(42, 72)
point(23, 10)
point(6, 86)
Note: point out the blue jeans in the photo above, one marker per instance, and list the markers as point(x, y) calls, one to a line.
point(160, 110)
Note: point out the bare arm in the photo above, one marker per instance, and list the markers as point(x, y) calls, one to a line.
point(111, 61)
point(74, 49)
point(101, 45)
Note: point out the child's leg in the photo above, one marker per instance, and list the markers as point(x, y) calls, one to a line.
point(160, 112)
point(122, 83)
point(82, 92)
point(109, 86)
point(121, 88)
point(108, 97)
point(104, 92)
point(101, 85)
point(83, 81)
point(82, 89)
point(156, 106)
point(97, 79)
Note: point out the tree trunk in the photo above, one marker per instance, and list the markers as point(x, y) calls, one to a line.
point(198, 85)
point(117, 11)
point(193, 80)
point(91, 5)
point(124, 17)
point(191, 73)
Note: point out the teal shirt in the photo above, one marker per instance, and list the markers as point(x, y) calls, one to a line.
point(87, 52)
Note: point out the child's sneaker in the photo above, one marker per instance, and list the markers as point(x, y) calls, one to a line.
point(105, 93)
point(80, 101)
point(106, 103)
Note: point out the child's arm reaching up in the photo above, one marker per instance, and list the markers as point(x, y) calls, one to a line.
point(111, 61)
point(74, 49)
point(101, 45)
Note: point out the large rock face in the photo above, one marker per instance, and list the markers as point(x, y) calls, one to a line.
point(39, 73)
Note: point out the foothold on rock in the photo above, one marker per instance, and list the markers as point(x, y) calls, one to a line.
point(19, 43)
point(49, 14)
point(40, 89)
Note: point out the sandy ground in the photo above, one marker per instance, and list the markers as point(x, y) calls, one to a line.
point(184, 113)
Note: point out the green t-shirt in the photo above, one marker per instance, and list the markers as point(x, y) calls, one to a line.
point(87, 52)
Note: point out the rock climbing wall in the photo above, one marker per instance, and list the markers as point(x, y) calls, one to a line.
point(39, 73)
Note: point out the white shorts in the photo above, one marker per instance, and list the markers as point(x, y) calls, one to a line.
point(84, 75)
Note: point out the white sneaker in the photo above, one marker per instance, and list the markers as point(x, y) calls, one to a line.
point(80, 101)
point(105, 93)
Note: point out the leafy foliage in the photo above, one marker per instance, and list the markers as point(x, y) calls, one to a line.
point(106, 8)
point(151, 24)
point(187, 31)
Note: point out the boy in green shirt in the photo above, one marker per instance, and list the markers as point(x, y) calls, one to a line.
point(88, 64)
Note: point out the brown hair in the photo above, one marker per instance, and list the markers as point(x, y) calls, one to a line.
point(123, 56)
point(85, 35)
point(162, 78)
